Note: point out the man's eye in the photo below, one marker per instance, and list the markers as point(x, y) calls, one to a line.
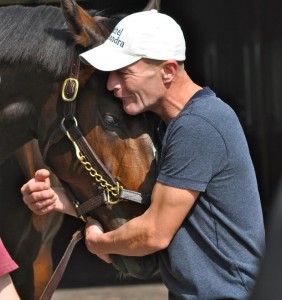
point(122, 73)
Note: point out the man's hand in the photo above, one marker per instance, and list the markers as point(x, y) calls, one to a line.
point(38, 194)
point(92, 229)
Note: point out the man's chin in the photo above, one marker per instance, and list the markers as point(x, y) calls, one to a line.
point(130, 110)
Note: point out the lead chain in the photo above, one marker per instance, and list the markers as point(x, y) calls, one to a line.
point(109, 189)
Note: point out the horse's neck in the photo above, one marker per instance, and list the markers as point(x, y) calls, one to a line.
point(23, 100)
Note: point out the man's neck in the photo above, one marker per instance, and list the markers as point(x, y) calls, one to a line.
point(181, 90)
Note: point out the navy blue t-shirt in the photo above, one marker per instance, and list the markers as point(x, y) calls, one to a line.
point(215, 254)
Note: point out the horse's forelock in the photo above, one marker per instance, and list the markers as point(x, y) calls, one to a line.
point(110, 23)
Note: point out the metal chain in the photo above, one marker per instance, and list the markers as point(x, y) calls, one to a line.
point(109, 189)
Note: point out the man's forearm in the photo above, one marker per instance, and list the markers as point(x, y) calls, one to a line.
point(134, 238)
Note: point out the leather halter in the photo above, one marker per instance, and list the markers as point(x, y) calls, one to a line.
point(82, 147)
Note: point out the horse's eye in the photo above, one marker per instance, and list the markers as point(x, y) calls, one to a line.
point(111, 120)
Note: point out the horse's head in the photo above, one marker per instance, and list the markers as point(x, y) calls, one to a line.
point(111, 183)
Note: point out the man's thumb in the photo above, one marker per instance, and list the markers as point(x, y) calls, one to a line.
point(42, 175)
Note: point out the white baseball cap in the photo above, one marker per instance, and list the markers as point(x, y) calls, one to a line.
point(146, 34)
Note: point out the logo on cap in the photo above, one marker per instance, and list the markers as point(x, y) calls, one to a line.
point(115, 37)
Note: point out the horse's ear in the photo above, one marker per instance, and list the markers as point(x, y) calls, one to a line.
point(153, 4)
point(85, 29)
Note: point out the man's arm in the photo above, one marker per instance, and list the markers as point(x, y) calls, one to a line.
point(149, 232)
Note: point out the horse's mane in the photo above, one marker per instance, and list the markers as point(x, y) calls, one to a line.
point(39, 37)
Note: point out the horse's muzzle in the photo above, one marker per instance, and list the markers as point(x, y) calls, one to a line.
point(143, 267)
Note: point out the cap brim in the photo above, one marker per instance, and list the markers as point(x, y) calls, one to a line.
point(105, 59)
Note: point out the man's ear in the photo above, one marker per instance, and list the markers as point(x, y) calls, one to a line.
point(169, 70)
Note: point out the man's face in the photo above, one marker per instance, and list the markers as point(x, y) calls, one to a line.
point(139, 86)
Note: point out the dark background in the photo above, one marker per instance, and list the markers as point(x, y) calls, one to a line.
point(234, 47)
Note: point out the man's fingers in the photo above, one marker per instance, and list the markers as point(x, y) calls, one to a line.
point(42, 207)
point(92, 228)
point(43, 195)
point(40, 203)
point(91, 221)
point(32, 186)
point(37, 193)
point(40, 182)
point(42, 175)
point(35, 198)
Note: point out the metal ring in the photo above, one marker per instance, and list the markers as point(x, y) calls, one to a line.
point(63, 121)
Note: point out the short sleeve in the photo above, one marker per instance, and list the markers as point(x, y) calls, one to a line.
point(193, 152)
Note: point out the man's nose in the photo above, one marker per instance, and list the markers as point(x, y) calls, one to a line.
point(112, 82)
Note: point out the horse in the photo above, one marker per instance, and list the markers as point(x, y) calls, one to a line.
point(104, 158)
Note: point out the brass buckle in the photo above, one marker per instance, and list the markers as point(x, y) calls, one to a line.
point(117, 188)
point(76, 85)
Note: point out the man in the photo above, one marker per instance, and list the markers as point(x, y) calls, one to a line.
point(205, 217)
